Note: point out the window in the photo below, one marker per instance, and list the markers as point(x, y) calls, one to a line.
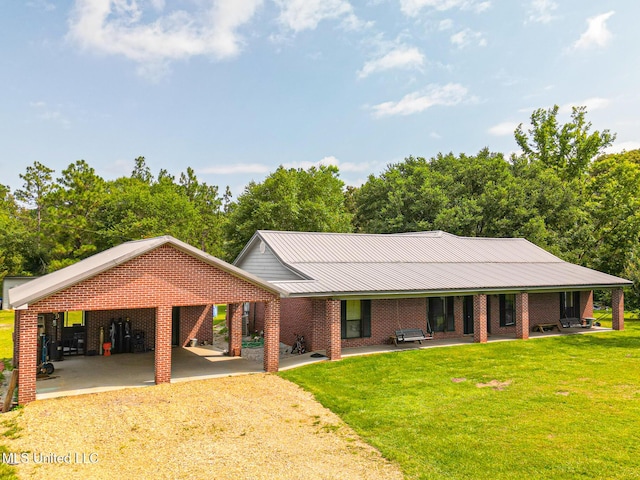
point(355, 318)
point(507, 310)
point(74, 319)
point(441, 317)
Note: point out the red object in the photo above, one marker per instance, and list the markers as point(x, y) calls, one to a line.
point(107, 349)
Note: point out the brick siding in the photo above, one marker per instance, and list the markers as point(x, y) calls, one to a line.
point(159, 279)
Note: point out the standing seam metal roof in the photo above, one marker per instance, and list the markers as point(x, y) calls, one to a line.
point(47, 285)
point(357, 264)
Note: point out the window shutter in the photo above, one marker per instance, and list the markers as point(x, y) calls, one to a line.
point(343, 319)
point(366, 318)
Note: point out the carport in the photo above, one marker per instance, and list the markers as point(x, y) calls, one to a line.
point(162, 287)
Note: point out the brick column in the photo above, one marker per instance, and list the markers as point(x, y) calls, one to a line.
point(271, 360)
point(318, 337)
point(234, 316)
point(522, 316)
point(480, 318)
point(27, 355)
point(332, 319)
point(617, 309)
point(163, 344)
point(458, 315)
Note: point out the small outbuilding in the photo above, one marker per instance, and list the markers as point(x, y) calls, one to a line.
point(159, 292)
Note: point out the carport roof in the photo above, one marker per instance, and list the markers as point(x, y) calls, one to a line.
point(47, 285)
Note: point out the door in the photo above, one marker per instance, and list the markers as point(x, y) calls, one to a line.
point(467, 313)
point(175, 326)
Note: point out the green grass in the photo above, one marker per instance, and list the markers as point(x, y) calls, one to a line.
point(571, 408)
point(6, 338)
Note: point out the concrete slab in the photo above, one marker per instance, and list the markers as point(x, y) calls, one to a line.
point(82, 374)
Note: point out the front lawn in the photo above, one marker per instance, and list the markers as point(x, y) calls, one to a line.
point(557, 407)
point(6, 338)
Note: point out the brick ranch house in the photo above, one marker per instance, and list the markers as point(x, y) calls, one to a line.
point(351, 290)
point(164, 287)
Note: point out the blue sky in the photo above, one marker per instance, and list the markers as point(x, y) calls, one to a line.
point(234, 88)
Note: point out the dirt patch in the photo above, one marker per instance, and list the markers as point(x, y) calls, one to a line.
point(255, 426)
point(458, 380)
point(495, 384)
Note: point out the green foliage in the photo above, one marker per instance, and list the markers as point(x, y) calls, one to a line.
point(568, 149)
point(295, 199)
point(556, 407)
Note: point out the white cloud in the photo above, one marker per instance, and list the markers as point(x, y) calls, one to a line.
point(412, 8)
point(541, 11)
point(43, 5)
point(403, 56)
point(435, 135)
point(331, 160)
point(237, 168)
point(597, 33)
point(48, 114)
point(593, 103)
point(503, 129)
point(299, 15)
point(118, 27)
point(445, 24)
point(466, 37)
point(620, 146)
point(416, 102)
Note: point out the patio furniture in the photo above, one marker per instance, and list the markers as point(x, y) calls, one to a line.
point(543, 327)
point(410, 335)
point(570, 322)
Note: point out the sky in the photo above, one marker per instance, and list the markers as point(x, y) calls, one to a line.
point(235, 88)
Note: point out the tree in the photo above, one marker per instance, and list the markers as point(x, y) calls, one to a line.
point(568, 149)
point(613, 203)
point(207, 231)
point(11, 234)
point(74, 203)
point(37, 186)
point(294, 199)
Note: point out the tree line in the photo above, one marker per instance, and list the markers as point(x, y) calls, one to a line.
point(560, 191)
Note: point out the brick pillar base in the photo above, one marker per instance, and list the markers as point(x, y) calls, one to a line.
point(234, 314)
point(163, 344)
point(27, 356)
point(334, 342)
point(480, 318)
point(617, 307)
point(522, 316)
point(271, 360)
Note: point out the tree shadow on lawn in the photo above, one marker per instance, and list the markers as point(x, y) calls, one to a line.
point(623, 340)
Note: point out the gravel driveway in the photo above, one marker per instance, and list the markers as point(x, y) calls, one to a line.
point(246, 427)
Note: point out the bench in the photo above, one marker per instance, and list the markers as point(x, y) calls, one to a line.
point(543, 327)
point(577, 322)
point(410, 335)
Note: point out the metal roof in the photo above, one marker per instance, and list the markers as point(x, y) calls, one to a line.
point(47, 285)
point(420, 263)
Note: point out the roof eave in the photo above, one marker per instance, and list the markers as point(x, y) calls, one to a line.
point(449, 292)
point(22, 303)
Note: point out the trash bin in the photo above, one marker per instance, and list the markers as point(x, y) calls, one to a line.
point(194, 342)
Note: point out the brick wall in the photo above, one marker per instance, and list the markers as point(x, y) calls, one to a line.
point(141, 319)
point(196, 322)
point(162, 278)
point(297, 315)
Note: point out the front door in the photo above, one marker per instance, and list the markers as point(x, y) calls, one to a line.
point(467, 313)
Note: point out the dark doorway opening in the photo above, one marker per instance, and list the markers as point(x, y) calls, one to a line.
point(467, 313)
point(175, 326)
